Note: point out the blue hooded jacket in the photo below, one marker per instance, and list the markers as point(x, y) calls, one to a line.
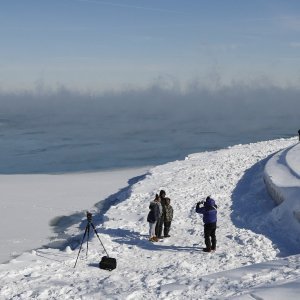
point(209, 211)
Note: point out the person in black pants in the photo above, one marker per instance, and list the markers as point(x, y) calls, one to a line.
point(209, 212)
point(299, 134)
point(168, 217)
point(160, 222)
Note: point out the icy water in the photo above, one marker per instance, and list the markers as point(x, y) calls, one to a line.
point(54, 143)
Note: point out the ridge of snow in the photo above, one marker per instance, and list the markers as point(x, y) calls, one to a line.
point(282, 178)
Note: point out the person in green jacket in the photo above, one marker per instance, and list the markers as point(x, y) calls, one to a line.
point(167, 217)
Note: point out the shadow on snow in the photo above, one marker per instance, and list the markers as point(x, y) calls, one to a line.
point(122, 236)
point(252, 207)
point(61, 224)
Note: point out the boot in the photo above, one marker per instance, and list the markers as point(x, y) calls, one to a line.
point(206, 250)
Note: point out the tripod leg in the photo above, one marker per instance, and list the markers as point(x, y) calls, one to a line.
point(87, 241)
point(99, 239)
point(86, 228)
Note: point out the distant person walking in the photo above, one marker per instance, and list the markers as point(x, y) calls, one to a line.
point(152, 218)
point(209, 212)
point(299, 134)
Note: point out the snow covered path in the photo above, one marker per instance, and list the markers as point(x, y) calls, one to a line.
point(175, 268)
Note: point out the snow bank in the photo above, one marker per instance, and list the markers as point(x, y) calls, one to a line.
point(282, 178)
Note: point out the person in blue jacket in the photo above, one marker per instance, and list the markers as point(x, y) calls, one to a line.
point(209, 212)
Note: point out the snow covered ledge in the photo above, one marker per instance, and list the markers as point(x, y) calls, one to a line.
point(282, 179)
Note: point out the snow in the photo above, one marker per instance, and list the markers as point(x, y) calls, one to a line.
point(258, 248)
point(283, 183)
point(284, 168)
point(29, 203)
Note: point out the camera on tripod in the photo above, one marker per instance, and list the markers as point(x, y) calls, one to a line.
point(89, 216)
point(107, 262)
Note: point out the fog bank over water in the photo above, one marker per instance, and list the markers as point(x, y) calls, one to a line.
point(225, 101)
point(65, 131)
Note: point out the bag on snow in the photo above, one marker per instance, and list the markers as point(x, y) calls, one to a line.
point(108, 263)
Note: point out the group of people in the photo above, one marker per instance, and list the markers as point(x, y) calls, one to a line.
point(160, 218)
point(161, 215)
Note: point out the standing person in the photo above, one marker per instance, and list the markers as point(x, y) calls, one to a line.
point(152, 218)
point(168, 217)
point(160, 222)
point(299, 134)
point(209, 212)
point(158, 227)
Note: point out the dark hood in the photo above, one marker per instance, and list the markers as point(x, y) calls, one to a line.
point(210, 202)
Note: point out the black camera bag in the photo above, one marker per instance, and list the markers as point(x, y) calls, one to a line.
point(108, 263)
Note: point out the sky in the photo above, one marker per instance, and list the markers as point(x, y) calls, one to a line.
point(93, 45)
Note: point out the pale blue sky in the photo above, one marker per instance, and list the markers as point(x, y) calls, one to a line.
point(112, 44)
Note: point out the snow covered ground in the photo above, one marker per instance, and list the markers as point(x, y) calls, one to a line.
point(35, 208)
point(257, 257)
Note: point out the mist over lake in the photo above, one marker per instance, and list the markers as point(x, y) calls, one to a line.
point(63, 131)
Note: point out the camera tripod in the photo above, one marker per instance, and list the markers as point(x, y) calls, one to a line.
point(87, 231)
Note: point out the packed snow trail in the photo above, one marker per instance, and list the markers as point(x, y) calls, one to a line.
point(174, 268)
